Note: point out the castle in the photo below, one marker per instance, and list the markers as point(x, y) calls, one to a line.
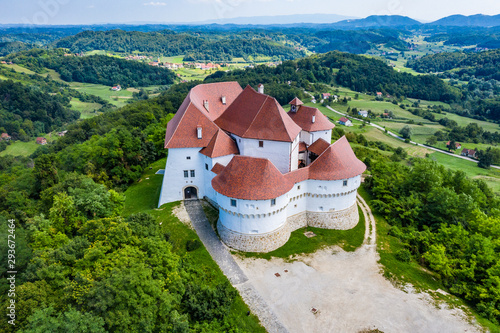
point(268, 171)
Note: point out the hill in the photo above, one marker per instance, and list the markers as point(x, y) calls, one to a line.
point(478, 20)
point(378, 21)
point(169, 43)
point(94, 69)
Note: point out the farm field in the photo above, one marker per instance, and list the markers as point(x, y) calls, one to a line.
point(87, 110)
point(117, 98)
point(20, 148)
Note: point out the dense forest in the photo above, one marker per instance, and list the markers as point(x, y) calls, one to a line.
point(484, 65)
point(94, 69)
point(28, 112)
point(447, 222)
point(359, 73)
point(169, 43)
point(480, 71)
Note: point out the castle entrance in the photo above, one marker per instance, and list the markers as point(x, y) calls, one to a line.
point(190, 192)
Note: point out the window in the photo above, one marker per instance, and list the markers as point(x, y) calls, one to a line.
point(188, 157)
point(206, 166)
point(273, 202)
point(261, 144)
point(233, 203)
point(192, 173)
point(186, 174)
point(344, 183)
point(298, 187)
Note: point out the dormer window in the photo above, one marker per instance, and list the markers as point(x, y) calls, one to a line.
point(205, 105)
point(198, 132)
point(223, 100)
point(313, 119)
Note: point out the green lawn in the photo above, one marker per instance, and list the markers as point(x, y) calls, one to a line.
point(490, 176)
point(175, 60)
point(143, 196)
point(299, 244)
point(464, 121)
point(20, 148)
point(117, 98)
point(87, 110)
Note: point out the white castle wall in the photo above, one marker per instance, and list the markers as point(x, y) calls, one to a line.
point(316, 203)
point(325, 135)
point(277, 152)
point(294, 155)
point(208, 164)
point(174, 182)
point(252, 216)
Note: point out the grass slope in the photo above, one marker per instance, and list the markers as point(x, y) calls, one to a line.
point(20, 148)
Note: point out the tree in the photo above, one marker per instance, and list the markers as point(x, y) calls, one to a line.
point(485, 158)
point(45, 172)
point(451, 145)
point(406, 132)
point(48, 320)
point(431, 141)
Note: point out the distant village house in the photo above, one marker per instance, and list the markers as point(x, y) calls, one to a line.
point(41, 141)
point(363, 113)
point(457, 145)
point(6, 137)
point(344, 121)
point(116, 88)
point(469, 153)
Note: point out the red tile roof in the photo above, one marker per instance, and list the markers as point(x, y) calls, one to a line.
point(343, 119)
point(213, 93)
point(299, 175)
point(302, 146)
point(181, 130)
point(251, 178)
point(5, 135)
point(319, 146)
point(217, 168)
point(258, 116)
point(303, 118)
point(220, 145)
point(337, 162)
point(296, 101)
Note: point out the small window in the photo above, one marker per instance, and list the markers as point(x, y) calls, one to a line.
point(188, 157)
point(321, 208)
point(186, 174)
point(273, 202)
point(294, 206)
point(261, 144)
point(239, 140)
point(344, 183)
point(192, 173)
point(206, 166)
point(233, 203)
point(298, 187)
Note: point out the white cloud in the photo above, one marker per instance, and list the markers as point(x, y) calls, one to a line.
point(154, 3)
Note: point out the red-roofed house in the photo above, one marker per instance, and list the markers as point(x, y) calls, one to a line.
point(240, 150)
point(344, 121)
point(5, 137)
point(457, 145)
point(41, 141)
point(469, 153)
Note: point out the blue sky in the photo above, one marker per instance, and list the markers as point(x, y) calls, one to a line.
point(126, 11)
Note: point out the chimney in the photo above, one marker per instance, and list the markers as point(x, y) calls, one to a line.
point(224, 100)
point(314, 119)
point(205, 104)
point(198, 132)
point(261, 88)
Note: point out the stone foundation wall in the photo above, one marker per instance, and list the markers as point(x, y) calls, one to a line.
point(340, 219)
point(297, 221)
point(254, 242)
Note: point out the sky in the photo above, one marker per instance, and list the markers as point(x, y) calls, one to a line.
point(168, 11)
